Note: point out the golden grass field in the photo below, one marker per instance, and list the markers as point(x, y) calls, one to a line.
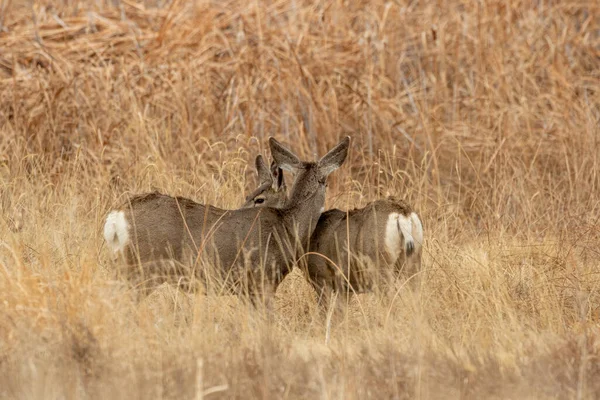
point(485, 116)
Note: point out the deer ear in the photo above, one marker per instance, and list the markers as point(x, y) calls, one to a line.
point(279, 180)
point(283, 157)
point(264, 174)
point(334, 158)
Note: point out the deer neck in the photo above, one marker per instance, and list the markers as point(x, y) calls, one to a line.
point(302, 214)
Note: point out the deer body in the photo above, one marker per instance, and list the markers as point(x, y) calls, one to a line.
point(252, 249)
point(349, 250)
point(220, 236)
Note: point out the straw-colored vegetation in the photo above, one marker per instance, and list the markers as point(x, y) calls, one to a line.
point(483, 115)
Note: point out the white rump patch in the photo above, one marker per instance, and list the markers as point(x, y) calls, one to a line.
point(116, 231)
point(405, 226)
point(401, 228)
point(417, 230)
point(392, 237)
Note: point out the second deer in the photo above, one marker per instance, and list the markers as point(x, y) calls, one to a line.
point(351, 251)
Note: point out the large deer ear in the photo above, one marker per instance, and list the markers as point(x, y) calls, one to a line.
point(283, 157)
point(264, 174)
point(334, 158)
point(278, 179)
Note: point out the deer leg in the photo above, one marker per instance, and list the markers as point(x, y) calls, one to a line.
point(410, 268)
point(140, 278)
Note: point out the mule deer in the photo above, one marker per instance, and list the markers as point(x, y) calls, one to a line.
point(271, 191)
point(386, 232)
point(250, 249)
point(359, 244)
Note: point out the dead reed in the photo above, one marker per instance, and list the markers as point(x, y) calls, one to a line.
point(484, 115)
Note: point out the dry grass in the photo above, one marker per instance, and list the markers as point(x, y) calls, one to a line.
point(484, 115)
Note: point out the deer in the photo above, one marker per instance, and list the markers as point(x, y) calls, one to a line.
point(249, 250)
point(271, 191)
point(349, 250)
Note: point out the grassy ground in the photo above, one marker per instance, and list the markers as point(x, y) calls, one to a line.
point(484, 115)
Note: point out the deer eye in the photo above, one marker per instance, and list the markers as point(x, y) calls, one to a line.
point(259, 201)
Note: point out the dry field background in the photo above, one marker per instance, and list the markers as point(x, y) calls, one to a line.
point(484, 115)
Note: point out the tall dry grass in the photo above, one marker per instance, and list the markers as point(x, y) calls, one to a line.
point(484, 115)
